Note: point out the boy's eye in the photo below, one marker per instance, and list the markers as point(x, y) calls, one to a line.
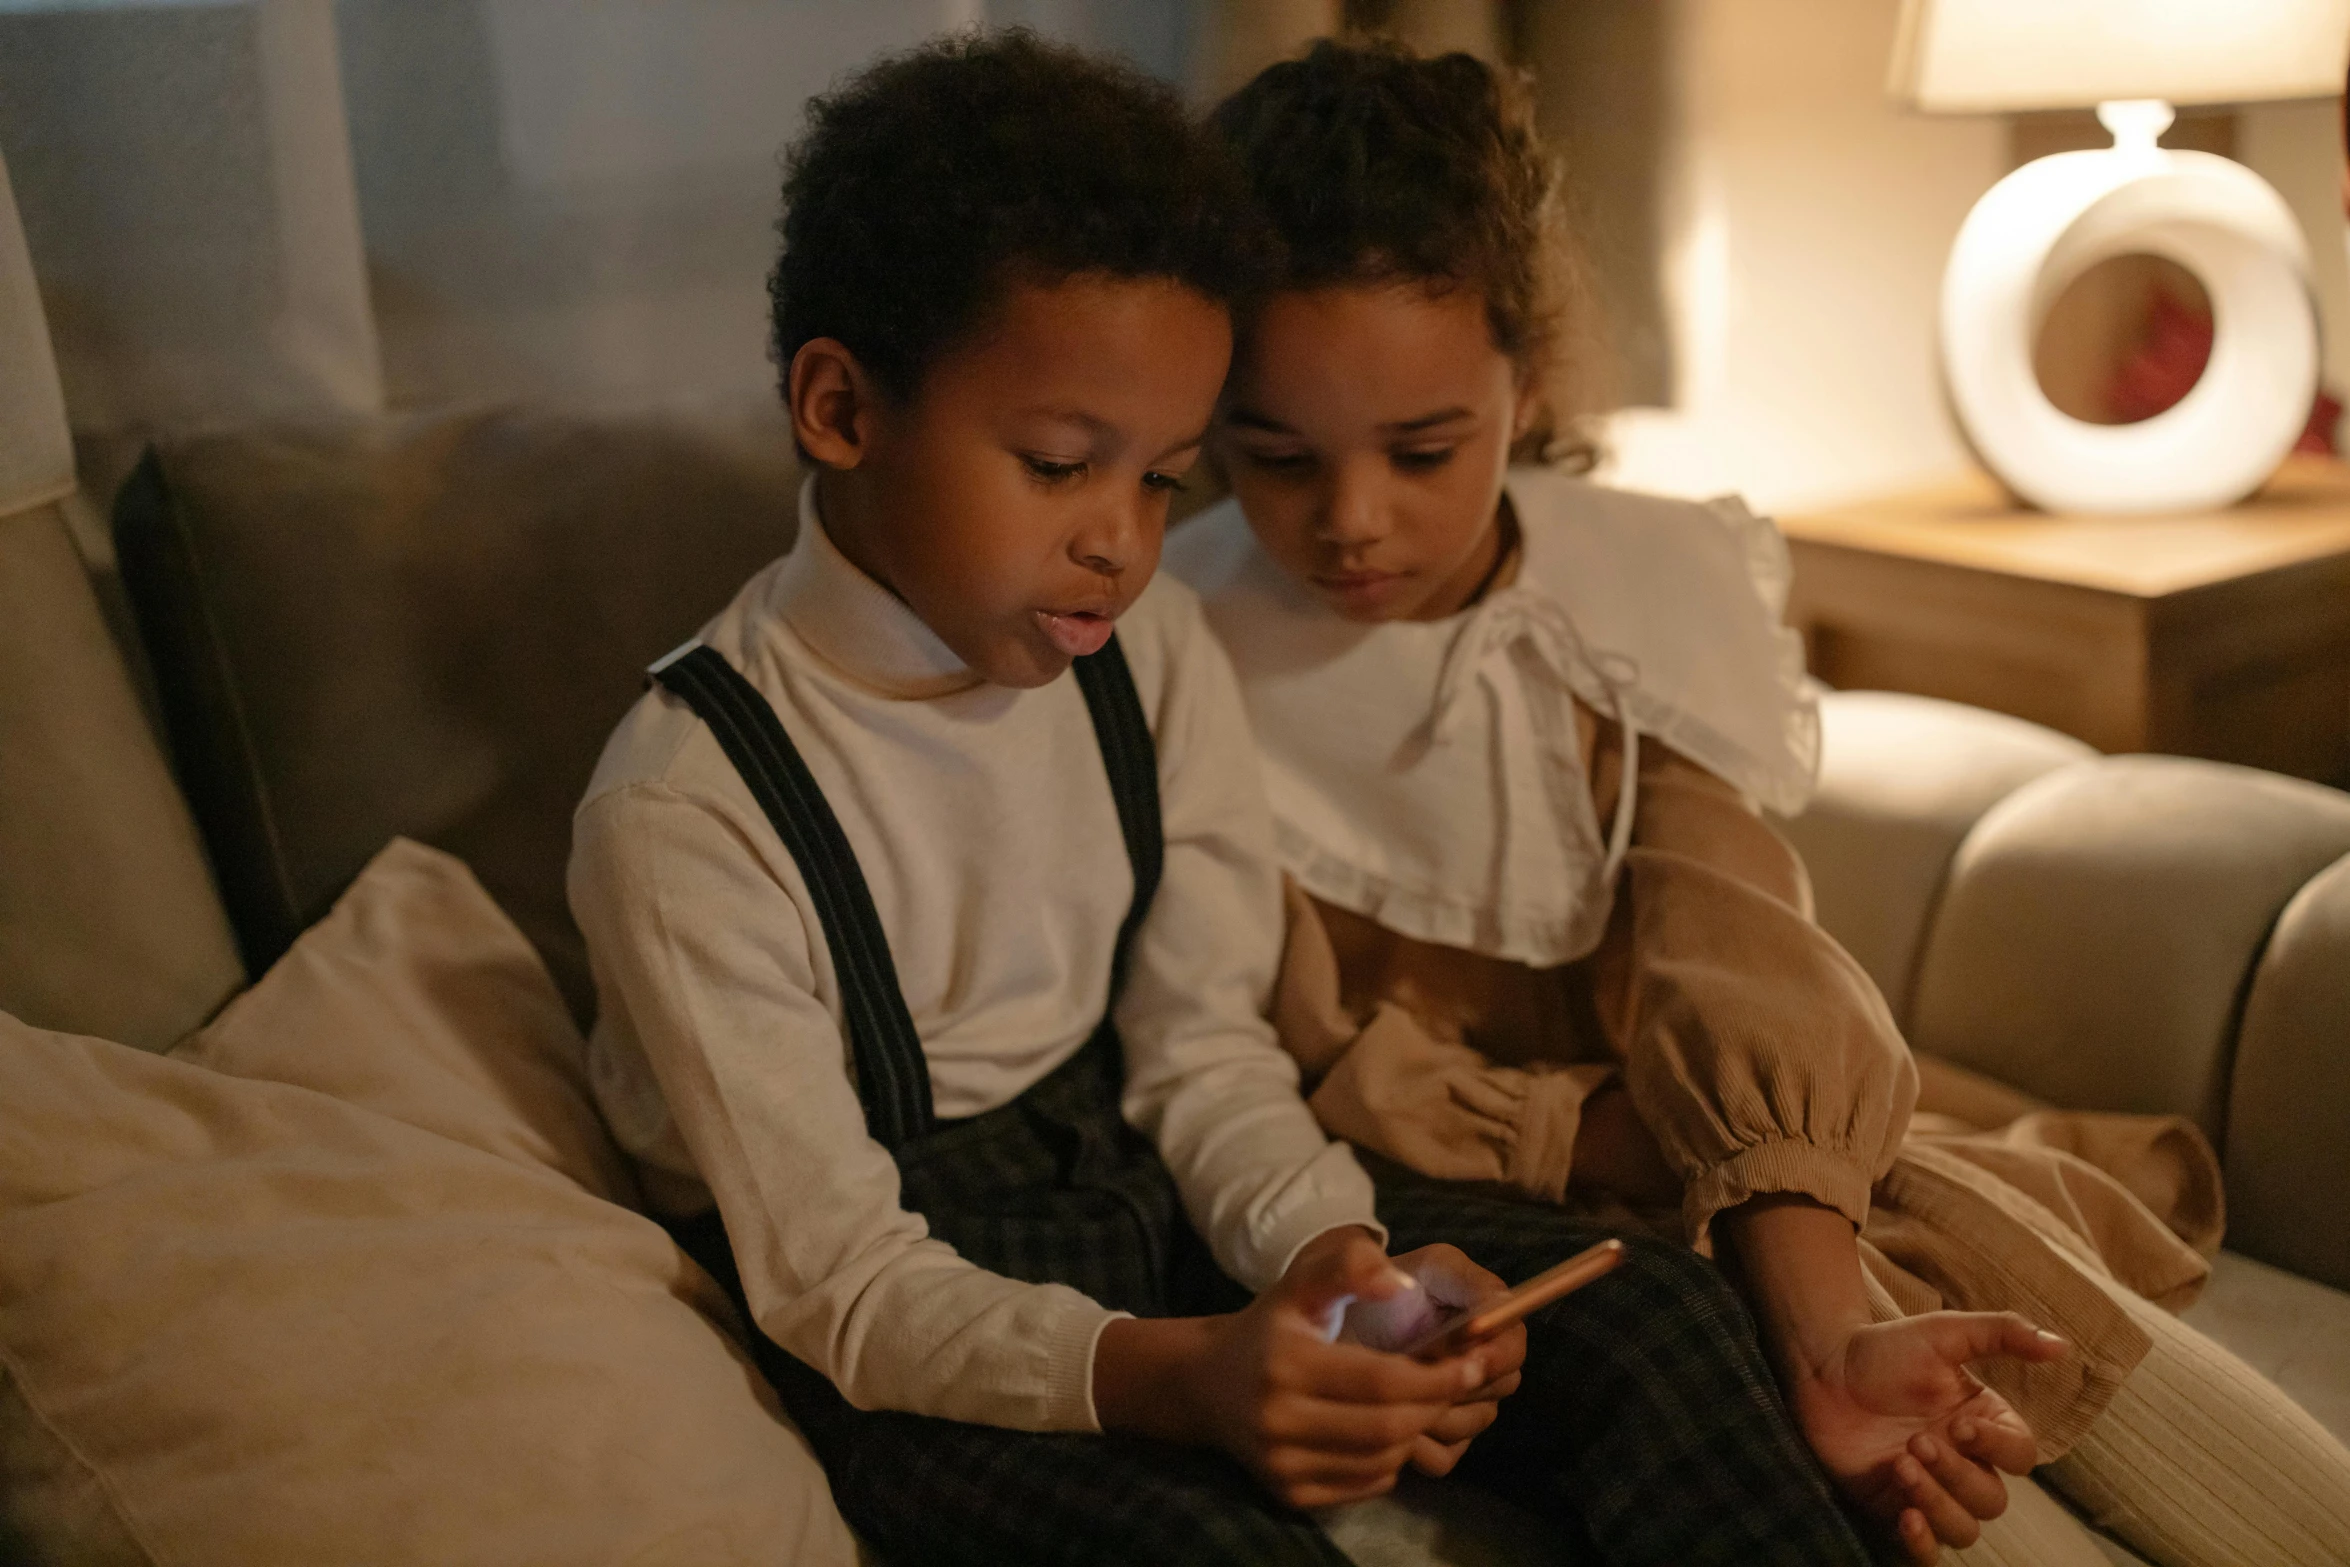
point(1050, 471)
point(1421, 459)
point(1164, 483)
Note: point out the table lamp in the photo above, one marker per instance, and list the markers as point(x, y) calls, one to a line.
point(2048, 222)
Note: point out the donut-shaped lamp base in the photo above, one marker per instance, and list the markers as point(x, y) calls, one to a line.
point(2044, 225)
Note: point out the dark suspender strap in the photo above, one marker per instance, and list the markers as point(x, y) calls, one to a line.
point(893, 1078)
point(1132, 761)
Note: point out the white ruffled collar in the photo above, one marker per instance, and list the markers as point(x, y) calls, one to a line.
point(1429, 775)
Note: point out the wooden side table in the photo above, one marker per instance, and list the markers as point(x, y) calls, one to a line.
point(2217, 634)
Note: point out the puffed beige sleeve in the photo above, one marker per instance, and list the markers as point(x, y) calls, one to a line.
point(1757, 1051)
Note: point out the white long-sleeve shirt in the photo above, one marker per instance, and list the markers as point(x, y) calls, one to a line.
point(983, 821)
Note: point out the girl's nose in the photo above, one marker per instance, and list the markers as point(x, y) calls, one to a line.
point(1350, 512)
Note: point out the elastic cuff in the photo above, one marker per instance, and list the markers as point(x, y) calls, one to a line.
point(1785, 1166)
point(1541, 1162)
point(1069, 1369)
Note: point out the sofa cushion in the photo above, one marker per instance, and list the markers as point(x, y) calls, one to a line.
point(1903, 780)
point(108, 921)
point(2288, 1143)
point(373, 1314)
point(2101, 923)
point(428, 627)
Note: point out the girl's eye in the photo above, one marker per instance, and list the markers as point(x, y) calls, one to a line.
point(1164, 483)
point(1422, 459)
point(1050, 471)
point(1288, 464)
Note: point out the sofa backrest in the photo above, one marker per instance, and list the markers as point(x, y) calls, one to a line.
point(428, 627)
point(2101, 924)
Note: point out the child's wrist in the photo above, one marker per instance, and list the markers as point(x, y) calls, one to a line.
point(1143, 1381)
point(1800, 1264)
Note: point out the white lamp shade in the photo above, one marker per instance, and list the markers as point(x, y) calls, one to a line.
point(1984, 56)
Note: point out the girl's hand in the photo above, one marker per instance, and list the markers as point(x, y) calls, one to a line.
point(1890, 1408)
point(1318, 1422)
point(1907, 1431)
point(1447, 1282)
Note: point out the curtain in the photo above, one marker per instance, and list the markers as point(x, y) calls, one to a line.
point(36, 455)
point(186, 191)
point(262, 209)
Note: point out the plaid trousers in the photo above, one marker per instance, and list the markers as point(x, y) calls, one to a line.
point(1647, 1429)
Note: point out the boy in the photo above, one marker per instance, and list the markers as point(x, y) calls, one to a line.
point(964, 1039)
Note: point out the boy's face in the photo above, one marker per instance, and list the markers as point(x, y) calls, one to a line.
point(1017, 501)
point(1366, 433)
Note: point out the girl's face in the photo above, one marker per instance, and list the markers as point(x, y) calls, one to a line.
point(1365, 430)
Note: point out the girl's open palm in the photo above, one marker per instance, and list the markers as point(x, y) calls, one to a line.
point(1910, 1435)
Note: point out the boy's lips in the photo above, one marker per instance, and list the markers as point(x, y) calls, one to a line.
point(1076, 632)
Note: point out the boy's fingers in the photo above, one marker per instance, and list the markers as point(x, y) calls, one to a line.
point(1973, 1486)
point(1359, 1269)
point(1505, 1352)
point(1309, 1466)
point(1951, 1523)
point(1494, 1391)
point(1436, 1459)
point(1352, 1374)
point(1314, 1497)
point(1463, 1421)
point(1328, 1426)
point(1449, 1276)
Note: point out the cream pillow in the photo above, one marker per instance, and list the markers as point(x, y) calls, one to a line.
point(339, 1281)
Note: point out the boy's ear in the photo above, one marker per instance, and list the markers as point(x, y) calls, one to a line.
point(832, 402)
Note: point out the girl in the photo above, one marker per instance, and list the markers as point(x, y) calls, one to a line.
point(1516, 729)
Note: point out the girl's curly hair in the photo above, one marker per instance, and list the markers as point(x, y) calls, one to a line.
point(1373, 165)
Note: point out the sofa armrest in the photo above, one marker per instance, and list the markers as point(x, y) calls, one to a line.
point(2288, 1142)
point(109, 924)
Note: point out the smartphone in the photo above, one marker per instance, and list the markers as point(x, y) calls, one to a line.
point(1464, 1329)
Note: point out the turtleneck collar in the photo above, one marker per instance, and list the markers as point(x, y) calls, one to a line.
point(856, 625)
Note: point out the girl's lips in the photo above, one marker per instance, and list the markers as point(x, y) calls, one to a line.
point(1077, 633)
point(1357, 587)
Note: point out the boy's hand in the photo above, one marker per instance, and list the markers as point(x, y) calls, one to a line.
point(1910, 1434)
point(1318, 1422)
point(1448, 1282)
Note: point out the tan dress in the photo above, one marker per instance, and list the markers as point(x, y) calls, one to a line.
point(1762, 1060)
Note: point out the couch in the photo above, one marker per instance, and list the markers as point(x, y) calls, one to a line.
point(315, 639)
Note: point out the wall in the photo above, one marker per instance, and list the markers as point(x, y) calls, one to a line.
point(1807, 220)
point(2297, 147)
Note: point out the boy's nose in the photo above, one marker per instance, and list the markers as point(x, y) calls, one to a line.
point(1110, 543)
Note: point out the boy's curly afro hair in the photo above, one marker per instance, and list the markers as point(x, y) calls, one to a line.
point(929, 183)
point(1373, 166)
